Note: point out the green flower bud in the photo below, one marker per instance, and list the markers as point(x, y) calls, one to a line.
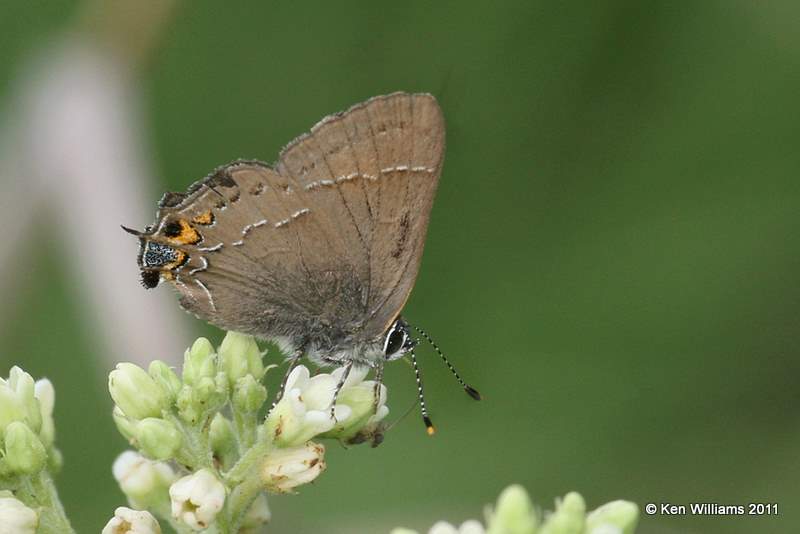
point(166, 378)
point(46, 395)
point(10, 407)
point(239, 356)
point(623, 515)
point(125, 425)
point(199, 362)
point(248, 395)
point(222, 437)
point(203, 397)
point(24, 386)
point(568, 518)
point(514, 513)
point(136, 394)
point(55, 461)
point(188, 409)
point(158, 439)
point(25, 454)
point(18, 401)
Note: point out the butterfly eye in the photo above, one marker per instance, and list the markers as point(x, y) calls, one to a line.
point(397, 341)
point(394, 342)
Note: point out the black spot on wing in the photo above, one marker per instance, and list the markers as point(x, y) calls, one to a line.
point(402, 239)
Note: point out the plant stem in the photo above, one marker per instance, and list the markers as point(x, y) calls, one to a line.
point(52, 519)
point(245, 480)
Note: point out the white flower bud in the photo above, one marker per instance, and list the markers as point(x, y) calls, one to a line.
point(127, 521)
point(15, 517)
point(285, 469)
point(197, 499)
point(305, 409)
point(468, 527)
point(45, 393)
point(143, 481)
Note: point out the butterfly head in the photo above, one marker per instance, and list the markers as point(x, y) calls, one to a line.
point(398, 340)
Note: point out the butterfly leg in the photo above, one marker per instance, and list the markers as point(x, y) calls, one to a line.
point(348, 366)
point(377, 390)
point(292, 364)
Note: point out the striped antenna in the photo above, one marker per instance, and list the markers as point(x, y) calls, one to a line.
point(428, 423)
point(471, 391)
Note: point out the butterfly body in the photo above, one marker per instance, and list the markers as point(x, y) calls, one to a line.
point(318, 252)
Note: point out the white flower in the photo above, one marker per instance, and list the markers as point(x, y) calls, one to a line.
point(140, 479)
point(197, 499)
point(468, 527)
point(285, 469)
point(305, 409)
point(358, 395)
point(127, 521)
point(256, 516)
point(15, 517)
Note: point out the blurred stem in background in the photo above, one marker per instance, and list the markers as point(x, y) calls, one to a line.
point(74, 164)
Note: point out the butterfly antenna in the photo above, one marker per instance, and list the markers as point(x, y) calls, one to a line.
point(471, 391)
point(428, 423)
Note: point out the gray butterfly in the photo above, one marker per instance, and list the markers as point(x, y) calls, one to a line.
point(318, 252)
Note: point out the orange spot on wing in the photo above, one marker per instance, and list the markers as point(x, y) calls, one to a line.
point(204, 218)
point(187, 236)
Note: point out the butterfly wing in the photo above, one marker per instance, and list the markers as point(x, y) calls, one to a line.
point(325, 246)
point(377, 166)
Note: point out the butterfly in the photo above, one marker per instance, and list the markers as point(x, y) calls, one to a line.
point(318, 252)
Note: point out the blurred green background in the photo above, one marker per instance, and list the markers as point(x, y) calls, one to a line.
point(612, 258)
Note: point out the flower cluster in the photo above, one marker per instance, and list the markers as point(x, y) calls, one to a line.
point(28, 456)
point(514, 514)
point(207, 455)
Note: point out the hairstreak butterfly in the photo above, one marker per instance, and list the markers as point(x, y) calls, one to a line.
point(320, 251)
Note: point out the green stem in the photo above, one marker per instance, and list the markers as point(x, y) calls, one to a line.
point(245, 479)
point(52, 519)
point(245, 424)
point(195, 452)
